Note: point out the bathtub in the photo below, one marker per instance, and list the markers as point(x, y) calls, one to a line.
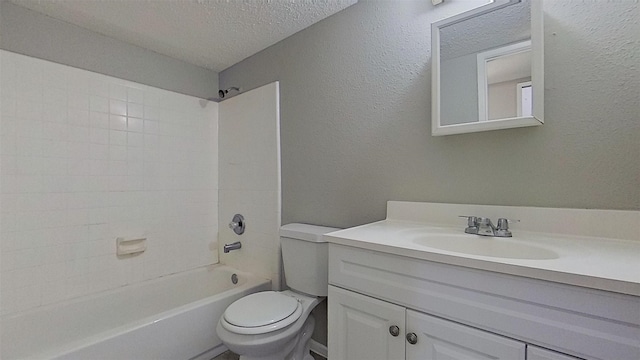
point(172, 317)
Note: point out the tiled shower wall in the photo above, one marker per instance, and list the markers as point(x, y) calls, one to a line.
point(87, 158)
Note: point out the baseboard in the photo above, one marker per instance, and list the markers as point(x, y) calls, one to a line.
point(318, 348)
point(211, 353)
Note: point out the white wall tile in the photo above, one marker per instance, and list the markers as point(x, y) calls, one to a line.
point(117, 137)
point(99, 136)
point(99, 120)
point(98, 151)
point(79, 134)
point(78, 82)
point(54, 184)
point(79, 167)
point(135, 140)
point(81, 163)
point(79, 149)
point(117, 107)
point(77, 101)
point(135, 96)
point(78, 117)
point(55, 112)
point(27, 127)
point(55, 131)
point(135, 124)
point(99, 87)
point(135, 110)
point(99, 104)
point(118, 92)
point(117, 122)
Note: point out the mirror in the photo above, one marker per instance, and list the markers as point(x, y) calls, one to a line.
point(487, 68)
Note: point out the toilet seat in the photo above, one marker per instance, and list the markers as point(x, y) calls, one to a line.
point(261, 313)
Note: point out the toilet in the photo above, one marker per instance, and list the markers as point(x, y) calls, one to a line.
point(277, 325)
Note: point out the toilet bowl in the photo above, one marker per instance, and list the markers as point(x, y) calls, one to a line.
point(277, 334)
point(277, 325)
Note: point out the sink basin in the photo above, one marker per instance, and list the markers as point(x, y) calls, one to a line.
point(484, 246)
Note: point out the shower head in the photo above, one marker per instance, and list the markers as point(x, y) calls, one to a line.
point(223, 93)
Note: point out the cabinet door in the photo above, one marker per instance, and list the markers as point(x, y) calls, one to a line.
point(536, 353)
point(439, 339)
point(359, 327)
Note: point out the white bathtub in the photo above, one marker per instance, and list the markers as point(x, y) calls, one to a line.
point(173, 317)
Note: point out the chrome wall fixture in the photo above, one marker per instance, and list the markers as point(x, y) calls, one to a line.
point(237, 224)
point(234, 246)
point(222, 93)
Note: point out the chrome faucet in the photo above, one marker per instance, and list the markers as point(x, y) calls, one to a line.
point(472, 224)
point(484, 227)
point(234, 246)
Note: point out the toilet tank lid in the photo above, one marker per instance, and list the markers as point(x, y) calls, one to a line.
point(306, 232)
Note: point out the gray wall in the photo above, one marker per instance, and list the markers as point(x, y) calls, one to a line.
point(30, 33)
point(355, 116)
point(1, 6)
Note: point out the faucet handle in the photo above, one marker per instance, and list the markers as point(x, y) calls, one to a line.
point(472, 224)
point(237, 224)
point(471, 220)
point(502, 227)
point(503, 223)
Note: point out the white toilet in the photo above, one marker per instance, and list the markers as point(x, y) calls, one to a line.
point(277, 325)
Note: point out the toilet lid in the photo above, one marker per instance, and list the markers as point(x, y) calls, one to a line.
point(262, 309)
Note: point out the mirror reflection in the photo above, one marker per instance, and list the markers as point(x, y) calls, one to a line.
point(485, 61)
point(504, 82)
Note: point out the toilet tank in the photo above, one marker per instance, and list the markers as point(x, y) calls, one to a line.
point(305, 255)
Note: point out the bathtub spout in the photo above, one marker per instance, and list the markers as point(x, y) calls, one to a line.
point(235, 246)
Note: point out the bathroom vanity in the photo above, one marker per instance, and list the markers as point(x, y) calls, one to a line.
point(415, 286)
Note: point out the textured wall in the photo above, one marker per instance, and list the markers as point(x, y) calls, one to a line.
point(355, 116)
point(27, 32)
point(1, 6)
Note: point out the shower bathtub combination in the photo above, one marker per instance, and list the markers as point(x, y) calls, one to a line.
point(172, 317)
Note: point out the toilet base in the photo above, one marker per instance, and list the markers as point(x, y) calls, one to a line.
point(297, 349)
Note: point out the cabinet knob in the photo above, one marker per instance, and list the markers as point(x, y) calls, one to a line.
point(394, 330)
point(412, 338)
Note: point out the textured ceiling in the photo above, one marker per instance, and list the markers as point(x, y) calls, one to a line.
point(507, 25)
point(214, 34)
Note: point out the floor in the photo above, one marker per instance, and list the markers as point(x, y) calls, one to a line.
point(227, 355)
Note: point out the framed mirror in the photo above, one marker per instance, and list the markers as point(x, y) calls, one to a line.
point(488, 68)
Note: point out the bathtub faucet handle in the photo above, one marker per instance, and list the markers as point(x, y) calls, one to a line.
point(237, 224)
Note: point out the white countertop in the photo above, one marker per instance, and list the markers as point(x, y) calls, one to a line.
point(593, 262)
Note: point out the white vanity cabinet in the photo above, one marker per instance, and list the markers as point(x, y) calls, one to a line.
point(536, 353)
point(462, 313)
point(363, 327)
point(438, 339)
